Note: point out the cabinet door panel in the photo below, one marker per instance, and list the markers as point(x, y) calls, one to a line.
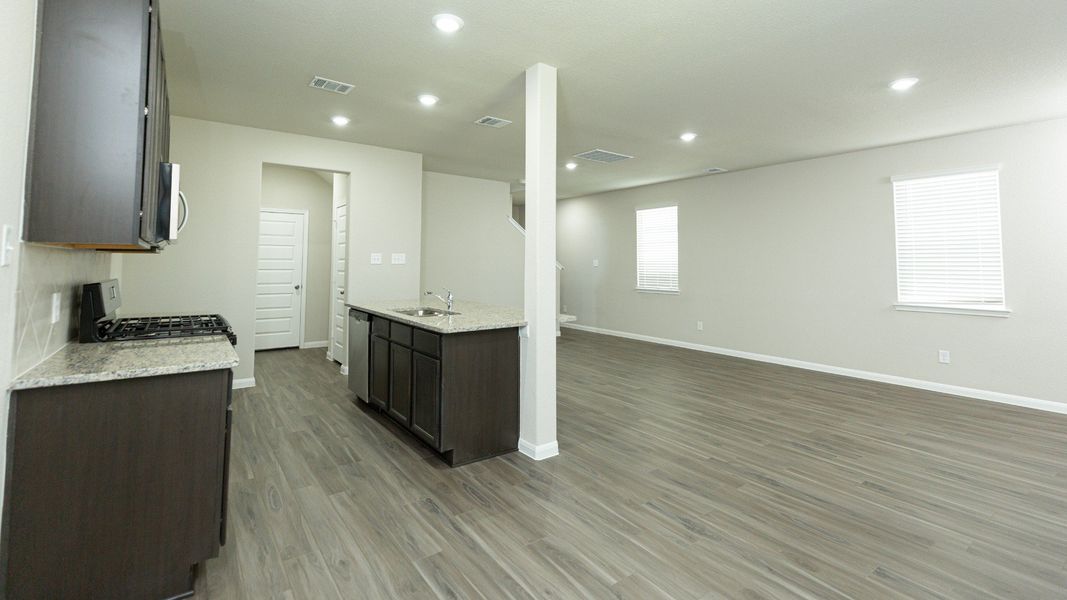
point(379, 371)
point(400, 390)
point(426, 399)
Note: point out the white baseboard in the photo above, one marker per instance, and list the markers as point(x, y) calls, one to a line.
point(344, 369)
point(307, 345)
point(944, 388)
point(246, 382)
point(539, 452)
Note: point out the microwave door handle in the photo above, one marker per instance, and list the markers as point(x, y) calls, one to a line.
point(185, 212)
point(172, 223)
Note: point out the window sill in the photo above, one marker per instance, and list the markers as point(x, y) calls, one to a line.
point(651, 291)
point(954, 310)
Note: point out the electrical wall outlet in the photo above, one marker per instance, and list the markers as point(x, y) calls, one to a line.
point(7, 246)
point(944, 357)
point(700, 325)
point(57, 304)
point(376, 258)
point(596, 262)
point(399, 258)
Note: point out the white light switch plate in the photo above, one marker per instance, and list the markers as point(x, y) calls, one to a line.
point(596, 262)
point(375, 258)
point(944, 357)
point(57, 303)
point(7, 246)
point(399, 258)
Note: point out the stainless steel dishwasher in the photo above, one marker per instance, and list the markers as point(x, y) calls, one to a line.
point(358, 352)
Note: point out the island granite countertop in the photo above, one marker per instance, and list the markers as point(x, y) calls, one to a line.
point(471, 316)
point(107, 361)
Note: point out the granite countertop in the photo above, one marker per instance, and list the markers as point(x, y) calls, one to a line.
point(86, 363)
point(473, 316)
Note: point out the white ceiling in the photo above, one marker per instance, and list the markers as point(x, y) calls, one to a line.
point(761, 82)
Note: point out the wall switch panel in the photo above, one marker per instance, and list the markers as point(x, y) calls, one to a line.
point(376, 258)
point(57, 304)
point(7, 246)
point(944, 357)
point(596, 262)
point(700, 325)
point(399, 258)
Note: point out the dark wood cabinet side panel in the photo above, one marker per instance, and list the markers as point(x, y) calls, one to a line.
point(480, 394)
point(85, 172)
point(400, 387)
point(116, 486)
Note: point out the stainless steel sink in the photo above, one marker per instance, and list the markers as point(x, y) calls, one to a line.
point(424, 311)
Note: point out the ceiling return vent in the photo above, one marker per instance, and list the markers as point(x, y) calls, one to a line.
point(602, 156)
point(330, 85)
point(715, 170)
point(495, 122)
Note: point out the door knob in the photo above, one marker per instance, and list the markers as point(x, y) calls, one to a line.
point(296, 287)
point(342, 292)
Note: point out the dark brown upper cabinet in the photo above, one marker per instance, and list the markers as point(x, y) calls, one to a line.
point(98, 173)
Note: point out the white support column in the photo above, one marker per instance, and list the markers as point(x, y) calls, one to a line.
point(537, 415)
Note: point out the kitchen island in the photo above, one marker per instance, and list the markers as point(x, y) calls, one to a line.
point(451, 379)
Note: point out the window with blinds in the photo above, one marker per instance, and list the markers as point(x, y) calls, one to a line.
point(657, 249)
point(948, 241)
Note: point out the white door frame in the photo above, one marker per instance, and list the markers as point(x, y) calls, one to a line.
point(334, 283)
point(303, 265)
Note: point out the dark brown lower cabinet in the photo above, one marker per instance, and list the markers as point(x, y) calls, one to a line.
point(115, 489)
point(379, 371)
point(457, 392)
point(400, 383)
point(426, 398)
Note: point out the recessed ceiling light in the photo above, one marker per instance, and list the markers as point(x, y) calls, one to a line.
point(904, 84)
point(428, 99)
point(447, 23)
point(340, 121)
point(571, 166)
point(688, 136)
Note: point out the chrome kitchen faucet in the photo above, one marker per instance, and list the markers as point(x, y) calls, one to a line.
point(447, 299)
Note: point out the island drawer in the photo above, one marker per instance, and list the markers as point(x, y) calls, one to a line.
point(400, 333)
point(379, 326)
point(427, 343)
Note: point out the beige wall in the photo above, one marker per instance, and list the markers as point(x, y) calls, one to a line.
point(797, 261)
point(468, 245)
point(301, 189)
point(212, 267)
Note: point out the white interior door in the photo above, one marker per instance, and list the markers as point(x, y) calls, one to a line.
point(339, 313)
point(280, 279)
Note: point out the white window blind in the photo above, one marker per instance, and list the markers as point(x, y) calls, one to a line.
point(948, 240)
point(657, 249)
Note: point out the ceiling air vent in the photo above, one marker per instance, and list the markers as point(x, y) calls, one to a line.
point(602, 156)
point(496, 122)
point(715, 170)
point(330, 85)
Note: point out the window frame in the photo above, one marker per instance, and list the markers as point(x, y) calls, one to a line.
point(677, 250)
point(1002, 310)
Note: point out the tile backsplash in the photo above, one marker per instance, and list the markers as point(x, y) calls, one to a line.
point(43, 271)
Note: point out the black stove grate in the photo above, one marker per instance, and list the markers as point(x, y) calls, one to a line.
point(148, 328)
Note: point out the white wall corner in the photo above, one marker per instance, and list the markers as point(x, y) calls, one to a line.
point(247, 382)
point(539, 451)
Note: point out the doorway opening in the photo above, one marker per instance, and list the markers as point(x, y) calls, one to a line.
point(301, 266)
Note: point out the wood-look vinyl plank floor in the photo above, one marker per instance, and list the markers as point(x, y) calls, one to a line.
point(681, 475)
